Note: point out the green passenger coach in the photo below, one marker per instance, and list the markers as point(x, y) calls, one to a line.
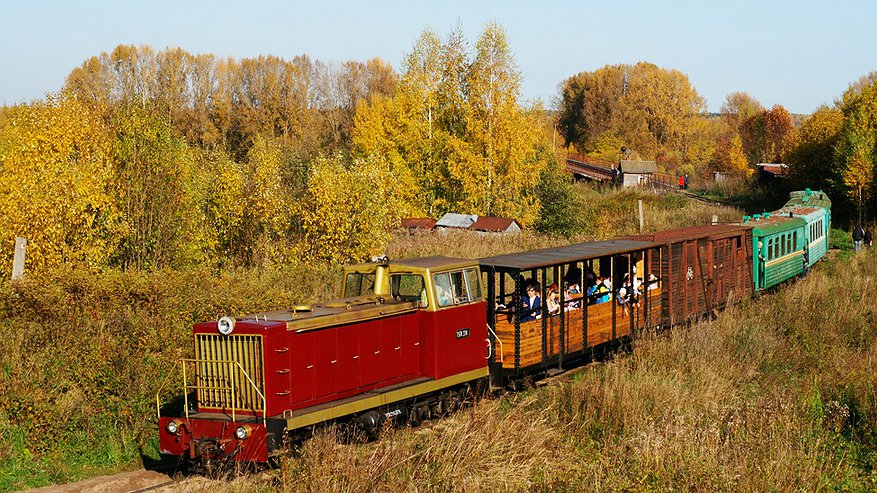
point(815, 209)
point(788, 241)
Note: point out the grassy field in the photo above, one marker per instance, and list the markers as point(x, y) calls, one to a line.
point(84, 354)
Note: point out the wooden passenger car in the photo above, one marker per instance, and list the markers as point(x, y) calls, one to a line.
point(527, 343)
point(702, 268)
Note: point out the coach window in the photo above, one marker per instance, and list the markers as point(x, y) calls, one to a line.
point(358, 284)
point(408, 287)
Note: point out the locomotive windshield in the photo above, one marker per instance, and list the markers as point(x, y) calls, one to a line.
point(358, 284)
point(408, 287)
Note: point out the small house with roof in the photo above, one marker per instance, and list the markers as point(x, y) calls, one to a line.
point(772, 172)
point(495, 225)
point(637, 173)
point(417, 224)
point(452, 220)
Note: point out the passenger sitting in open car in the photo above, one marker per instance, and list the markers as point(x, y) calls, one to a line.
point(600, 292)
point(552, 302)
point(532, 303)
point(573, 291)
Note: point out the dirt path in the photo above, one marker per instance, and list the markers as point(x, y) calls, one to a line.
point(123, 482)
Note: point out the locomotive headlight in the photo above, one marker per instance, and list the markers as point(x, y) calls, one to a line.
point(243, 432)
point(225, 325)
point(173, 427)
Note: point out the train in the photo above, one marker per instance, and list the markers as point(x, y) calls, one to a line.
point(414, 339)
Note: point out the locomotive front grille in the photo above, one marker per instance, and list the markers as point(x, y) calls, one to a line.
point(221, 383)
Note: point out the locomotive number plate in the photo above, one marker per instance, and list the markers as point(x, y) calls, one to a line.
point(462, 333)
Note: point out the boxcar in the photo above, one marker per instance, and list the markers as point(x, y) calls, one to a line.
point(702, 268)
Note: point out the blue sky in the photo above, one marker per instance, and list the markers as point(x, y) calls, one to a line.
point(796, 53)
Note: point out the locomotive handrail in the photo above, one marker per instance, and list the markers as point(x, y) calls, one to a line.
point(497, 339)
point(196, 387)
point(161, 387)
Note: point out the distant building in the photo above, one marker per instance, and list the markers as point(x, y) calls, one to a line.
point(418, 223)
point(496, 225)
point(456, 221)
point(772, 171)
point(720, 176)
point(637, 173)
point(483, 225)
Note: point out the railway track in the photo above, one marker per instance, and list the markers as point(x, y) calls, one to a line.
point(716, 202)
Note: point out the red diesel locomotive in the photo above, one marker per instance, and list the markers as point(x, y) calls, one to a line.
point(407, 341)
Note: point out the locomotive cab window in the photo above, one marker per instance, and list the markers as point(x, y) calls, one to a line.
point(358, 284)
point(458, 287)
point(408, 287)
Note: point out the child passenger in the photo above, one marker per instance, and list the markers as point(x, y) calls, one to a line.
point(553, 300)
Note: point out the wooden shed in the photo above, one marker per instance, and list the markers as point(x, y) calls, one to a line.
point(495, 225)
point(637, 173)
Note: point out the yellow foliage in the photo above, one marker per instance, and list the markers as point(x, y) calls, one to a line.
point(55, 170)
point(729, 156)
point(160, 191)
point(349, 210)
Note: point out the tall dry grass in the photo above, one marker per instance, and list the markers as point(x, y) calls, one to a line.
point(83, 355)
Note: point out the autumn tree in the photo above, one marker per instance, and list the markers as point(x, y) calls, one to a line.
point(350, 208)
point(766, 135)
point(856, 150)
point(738, 108)
point(649, 108)
point(406, 129)
point(158, 191)
point(729, 157)
point(55, 178)
point(496, 165)
point(811, 154)
point(456, 124)
point(308, 105)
